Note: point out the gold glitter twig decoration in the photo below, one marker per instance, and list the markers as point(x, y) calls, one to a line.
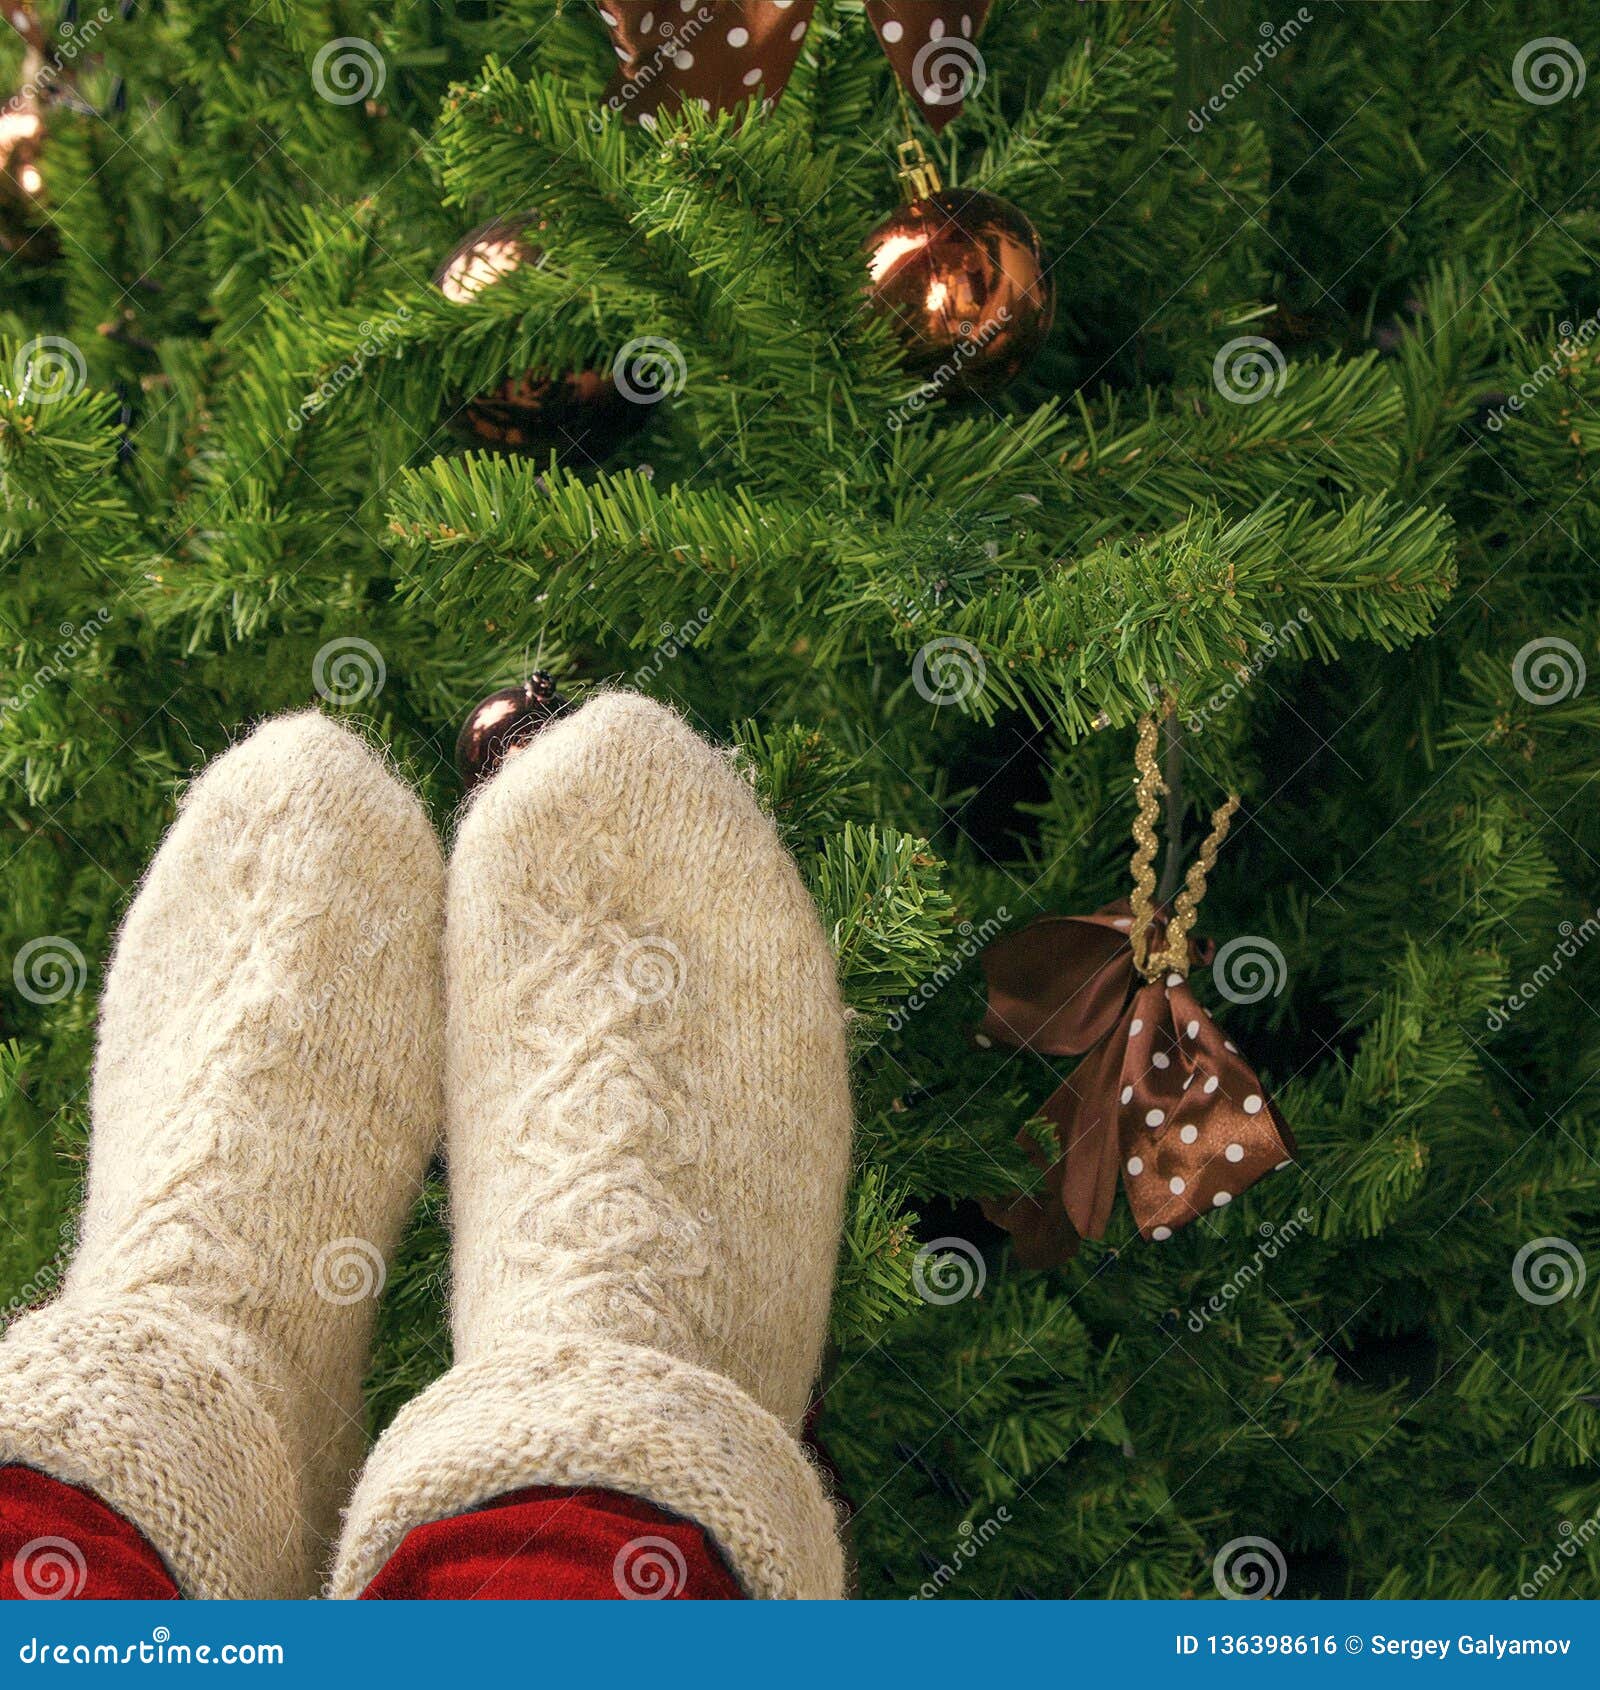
point(1174, 954)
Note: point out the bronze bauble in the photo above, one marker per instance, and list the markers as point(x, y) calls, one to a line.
point(581, 417)
point(504, 722)
point(24, 233)
point(962, 276)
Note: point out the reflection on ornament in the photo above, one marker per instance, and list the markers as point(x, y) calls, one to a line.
point(483, 257)
point(582, 416)
point(22, 139)
point(20, 135)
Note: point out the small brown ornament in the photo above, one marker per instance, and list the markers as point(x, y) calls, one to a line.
point(504, 722)
point(963, 277)
point(582, 417)
point(673, 53)
point(23, 234)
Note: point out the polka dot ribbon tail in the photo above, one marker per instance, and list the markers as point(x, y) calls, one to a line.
point(1162, 1097)
point(672, 53)
point(932, 45)
point(716, 53)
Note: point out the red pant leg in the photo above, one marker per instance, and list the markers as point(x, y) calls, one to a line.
point(553, 1543)
point(57, 1542)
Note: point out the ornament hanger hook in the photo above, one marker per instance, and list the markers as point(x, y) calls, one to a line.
point(918, 172)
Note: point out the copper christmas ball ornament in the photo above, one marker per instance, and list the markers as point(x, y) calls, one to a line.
point(504, 722)
point(482, 257)
point(962, 276)
point(23, 231)
point(582, 416)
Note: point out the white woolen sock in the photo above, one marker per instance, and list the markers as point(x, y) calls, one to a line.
point(648, 1131)
point(267, 1090)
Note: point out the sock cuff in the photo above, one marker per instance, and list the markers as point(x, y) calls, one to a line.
point(616, 1416)
point(153, 1411)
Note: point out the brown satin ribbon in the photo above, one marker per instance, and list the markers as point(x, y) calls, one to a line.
point(932, 47)
point(1162, 1096)
point(719, 52)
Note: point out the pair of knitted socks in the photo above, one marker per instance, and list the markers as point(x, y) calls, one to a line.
point(618, 1010)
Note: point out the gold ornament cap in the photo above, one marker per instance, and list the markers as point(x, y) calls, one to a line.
point(919, 175)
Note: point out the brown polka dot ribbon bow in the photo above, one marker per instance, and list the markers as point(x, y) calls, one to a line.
point(1162, 1097)
point(932, 45)
point(719, 52)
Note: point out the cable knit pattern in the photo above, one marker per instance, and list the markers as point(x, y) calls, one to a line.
point(266, 1094)
point(648, 1127)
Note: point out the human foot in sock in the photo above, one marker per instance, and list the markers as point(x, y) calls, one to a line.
point(648, 1125)
point(266, 1094)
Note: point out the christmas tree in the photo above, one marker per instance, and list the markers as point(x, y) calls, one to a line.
point(1304, 457)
